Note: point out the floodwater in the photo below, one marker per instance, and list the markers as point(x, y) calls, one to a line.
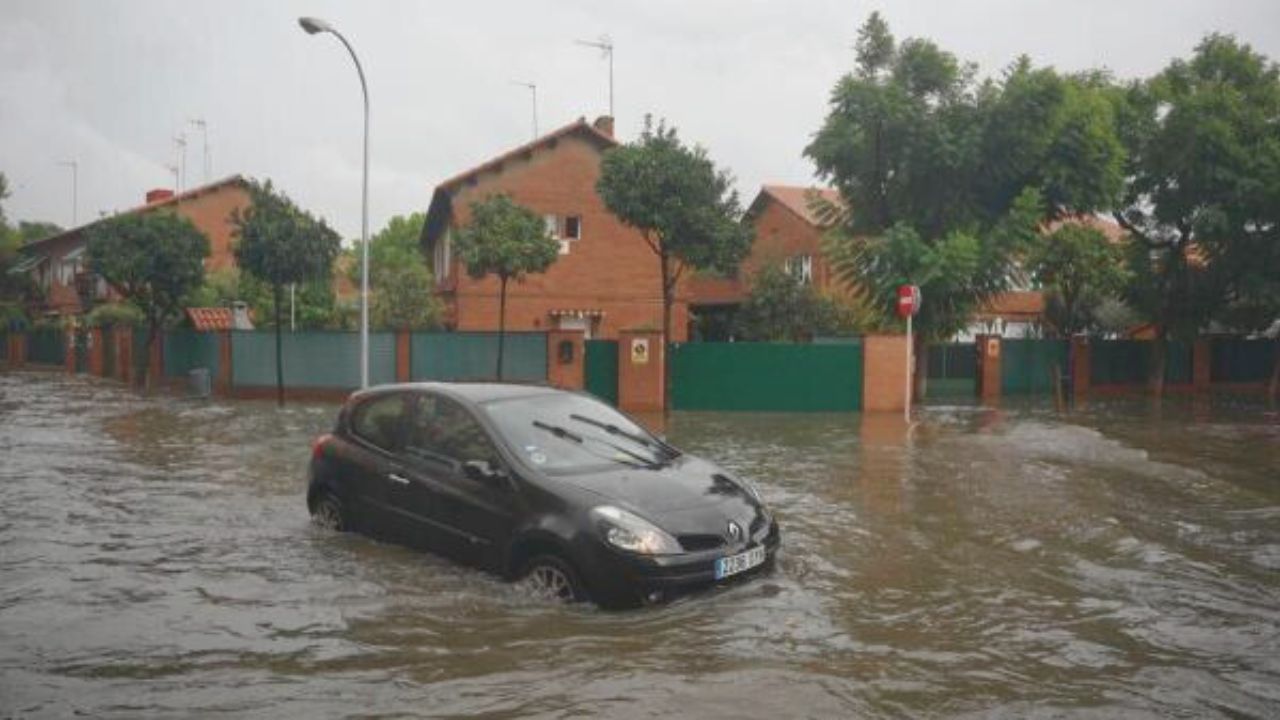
point(156, 559)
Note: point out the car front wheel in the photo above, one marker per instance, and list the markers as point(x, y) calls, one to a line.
point(548, 578)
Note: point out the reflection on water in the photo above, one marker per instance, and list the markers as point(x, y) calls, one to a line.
point(1122, 560)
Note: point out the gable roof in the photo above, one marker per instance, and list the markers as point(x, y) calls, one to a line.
point(799, 200)
point(146, 207)
point(439, 210)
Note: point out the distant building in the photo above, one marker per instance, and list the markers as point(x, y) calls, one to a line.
point(606, 278)
point(59, 264)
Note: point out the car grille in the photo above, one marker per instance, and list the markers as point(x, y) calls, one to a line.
point(694, 543)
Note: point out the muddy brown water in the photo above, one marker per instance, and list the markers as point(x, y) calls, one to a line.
point(156, 560)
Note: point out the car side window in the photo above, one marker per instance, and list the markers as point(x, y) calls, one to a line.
point(380, 421)
point(441, 430)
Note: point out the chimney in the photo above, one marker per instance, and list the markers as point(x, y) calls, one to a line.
point(158, 195)
point(604, 124)
point(240, 319)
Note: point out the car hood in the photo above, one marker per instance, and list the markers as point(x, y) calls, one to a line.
point(669, 495)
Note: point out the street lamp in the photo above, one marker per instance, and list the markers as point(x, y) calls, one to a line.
point(313, 26)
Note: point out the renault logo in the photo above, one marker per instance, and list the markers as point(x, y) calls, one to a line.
point(735, 531)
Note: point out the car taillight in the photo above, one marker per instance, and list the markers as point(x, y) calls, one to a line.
point(318, 446)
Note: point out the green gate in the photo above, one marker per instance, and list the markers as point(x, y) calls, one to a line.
point(952, 370)
point(468, 356)
point(46, 346)
point(1240, 360)
point(601, 369)
point(108, 352)
point(1128, 362)
point(82, 350)
point(766, 376)
point(1030, 366)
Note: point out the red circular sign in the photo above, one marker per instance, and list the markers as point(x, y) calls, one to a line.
point(908, 300)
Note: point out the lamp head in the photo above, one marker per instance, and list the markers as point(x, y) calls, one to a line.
point(314, 25)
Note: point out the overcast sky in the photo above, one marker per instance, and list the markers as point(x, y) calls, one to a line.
point(111, 83)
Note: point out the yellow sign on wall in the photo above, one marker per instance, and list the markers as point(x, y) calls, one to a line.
point(639, 351)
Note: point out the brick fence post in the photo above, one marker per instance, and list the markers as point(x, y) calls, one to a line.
point(124, 354)
point(404, 357)
point(566, 367)
point(222, 381)
point(1082, 354)
point(988, 368)
point(18, 349)
point(641, 382)
point(884, 373)
point(69, 351)
point(1201, 365)
point(96, 363)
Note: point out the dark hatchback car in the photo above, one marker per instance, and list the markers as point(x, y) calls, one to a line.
point(554, 489)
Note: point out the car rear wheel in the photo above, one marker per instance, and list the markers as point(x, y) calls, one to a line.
point(548, 578)
point(327, 513)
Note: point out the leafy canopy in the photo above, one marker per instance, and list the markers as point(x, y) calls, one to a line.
point(279, 243)
point(154, 259)
point(405, 299)
point(505, 239)
point(1080, 270)
point(781, 307)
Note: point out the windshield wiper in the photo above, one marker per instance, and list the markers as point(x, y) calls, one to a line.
point(652, 443)
point(573, 437)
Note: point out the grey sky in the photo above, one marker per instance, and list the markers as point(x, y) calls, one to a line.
point(111, 83)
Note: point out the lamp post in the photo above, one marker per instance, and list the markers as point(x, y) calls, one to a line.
point(313, 26)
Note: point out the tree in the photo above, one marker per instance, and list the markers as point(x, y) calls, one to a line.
point(506, 240)
point(280, 244)
point(155, 260)
point(1202, 187)
point(392, 247)
point(1079, 269)
point(33, 230)
point(685, 209)
point(780, 307)
point(945, 182)
point(405, 299)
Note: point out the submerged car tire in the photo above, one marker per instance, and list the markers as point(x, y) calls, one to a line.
point(327, 513)
point(549, 578)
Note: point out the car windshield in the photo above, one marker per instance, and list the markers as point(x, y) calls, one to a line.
point(563, 432)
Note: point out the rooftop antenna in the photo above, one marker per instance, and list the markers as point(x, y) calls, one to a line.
point(181, 142)
point(207, 166)
point(173, 170)
point(75, 189)
point(605, 45)
point(533, 88)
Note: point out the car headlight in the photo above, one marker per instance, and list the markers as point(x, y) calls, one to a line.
point(630, 532)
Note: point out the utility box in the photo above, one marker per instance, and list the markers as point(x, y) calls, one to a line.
point(199, 382)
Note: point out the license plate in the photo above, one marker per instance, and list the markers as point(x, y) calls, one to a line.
point(734, 564)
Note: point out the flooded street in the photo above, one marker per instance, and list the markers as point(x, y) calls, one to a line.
point(156, 559)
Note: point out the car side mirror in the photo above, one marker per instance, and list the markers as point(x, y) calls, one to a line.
point(482, 472)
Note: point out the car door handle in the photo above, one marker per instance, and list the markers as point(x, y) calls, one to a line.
point(398, 479)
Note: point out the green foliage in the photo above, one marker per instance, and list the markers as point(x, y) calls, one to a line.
point(405, 299)
point(154, 259)
point(1079, 269)
point(505, 239)
point(781, 307)
point(116, 313)
point(948, 180)
point(279, 243)
point(391, 248)
point(220, 289)
point(31, 231)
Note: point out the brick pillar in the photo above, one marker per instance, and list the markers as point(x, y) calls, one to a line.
point(566, 367)
point(641, 382)
point(69, 352)
point(124, 354)
point(222, 381)
point(988, 368)
point(1200, 365)
point(1082, 353)
point(16, 351)
point(404, 368)
point(96, 351)
point(884, 372)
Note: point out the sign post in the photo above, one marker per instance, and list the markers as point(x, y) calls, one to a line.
point(908, 306)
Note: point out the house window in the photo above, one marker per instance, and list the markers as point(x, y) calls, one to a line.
point(441, 257)
point(565, 229)
point(801, 268)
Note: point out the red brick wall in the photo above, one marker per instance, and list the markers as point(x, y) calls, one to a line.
point(780, 234)
point(610, 268)
point(641, 385)
point(567, 374)
point(884, 372)
point(211, 213)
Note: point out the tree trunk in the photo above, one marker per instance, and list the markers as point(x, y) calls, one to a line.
point(502, 321)
point(920, 371)
point(143, 364)
point(667, 293)
point(279, 299)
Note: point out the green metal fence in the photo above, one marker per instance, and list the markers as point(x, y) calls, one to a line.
point(474, 356)
point(1128, 362)
point(952, 370)
point(1240, 360)
point(312, 359)
point(1031, 366)
point(766, 376)
point(601, 369)
point(47, 346)
point(185, 351)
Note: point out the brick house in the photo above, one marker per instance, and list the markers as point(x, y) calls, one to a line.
point(59, 264)
point(788, 233)
point(606, 278)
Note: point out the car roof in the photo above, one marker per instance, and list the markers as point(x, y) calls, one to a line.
point(477, 392)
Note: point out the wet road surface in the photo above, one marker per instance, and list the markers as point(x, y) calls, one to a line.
point(156, 560)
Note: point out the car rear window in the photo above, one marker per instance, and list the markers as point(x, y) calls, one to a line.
point(380, 421)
